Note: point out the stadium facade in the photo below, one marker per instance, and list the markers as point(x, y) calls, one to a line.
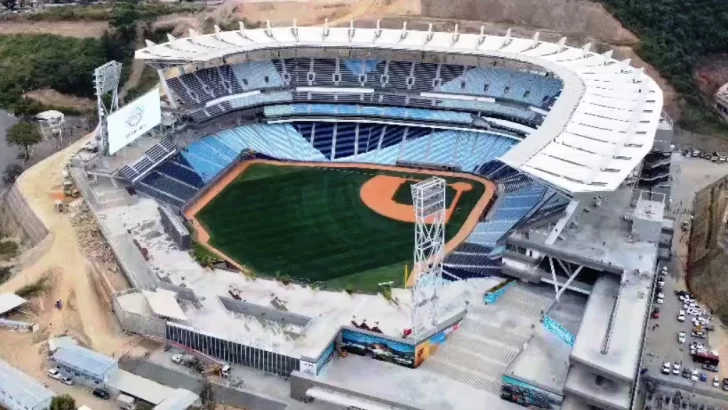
point(562, 130)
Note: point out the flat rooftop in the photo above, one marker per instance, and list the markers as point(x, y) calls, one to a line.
point(418, 388)
point(622, 357)
point(10, 301)
point(163, 303)
point(609, 394)
point(601, 234)
point(545, 360)
point(650, 210)
point(328, 310)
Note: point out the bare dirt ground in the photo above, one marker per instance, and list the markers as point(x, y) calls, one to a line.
point(575, 18)
point(84, 315)
point(712, 72)
point(77, 29)
point(48, 96)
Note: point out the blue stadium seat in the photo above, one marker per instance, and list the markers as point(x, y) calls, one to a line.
point(256, 75)
point(161, 196)
point(182, 173)
point(169, 186)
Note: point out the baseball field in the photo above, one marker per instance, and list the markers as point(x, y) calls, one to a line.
point(339, 226)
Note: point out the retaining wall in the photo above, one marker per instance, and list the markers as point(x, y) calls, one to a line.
point(135, 323)
point(16, 214)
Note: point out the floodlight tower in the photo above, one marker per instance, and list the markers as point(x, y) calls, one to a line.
point(428, 198)
point(106, 79)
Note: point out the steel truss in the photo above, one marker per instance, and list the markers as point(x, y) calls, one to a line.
point(428, 199)
point(106, 79)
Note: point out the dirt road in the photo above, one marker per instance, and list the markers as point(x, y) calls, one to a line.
point(77, 29)
point(84, 315)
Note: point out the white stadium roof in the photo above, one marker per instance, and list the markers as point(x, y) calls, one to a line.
point(10, 301)
point(597, 132)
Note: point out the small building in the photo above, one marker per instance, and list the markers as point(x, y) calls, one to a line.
point(721, 101)
point(138, 387)
point(180, 399)
point(85, 366)
point(9, 302)
point(18, 391)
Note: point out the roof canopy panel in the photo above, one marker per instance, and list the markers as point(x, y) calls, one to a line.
point(608, 111)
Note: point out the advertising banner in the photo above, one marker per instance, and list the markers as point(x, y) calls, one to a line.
point(133, 120)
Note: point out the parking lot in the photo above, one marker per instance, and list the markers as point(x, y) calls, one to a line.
point(689, 175)
point(663, 333)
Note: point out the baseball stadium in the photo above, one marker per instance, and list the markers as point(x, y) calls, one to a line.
point(271, 215)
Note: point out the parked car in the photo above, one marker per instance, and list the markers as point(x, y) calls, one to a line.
point(54, 373)
point(716, 382)
point(681, 336)
point(676, 368)
point(101, 393)
point(681, 316)
point(710, 367)
point(66, 380)
point(694, 375)
point(665, 368)
point(703, 377)
point(686, 373)
point(725, 384)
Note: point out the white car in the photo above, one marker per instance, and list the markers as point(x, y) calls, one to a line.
point(676, 368)
point(54, 373)
point(681, 337)
point(694, 375)
point(659, 300)
point(681, 316)
point(66, 380)
point(665, 368)
point(177, 358)
point(716, 382)
point(661, 283)
point(661, 295)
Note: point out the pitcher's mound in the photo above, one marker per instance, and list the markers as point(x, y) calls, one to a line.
point(379, 194)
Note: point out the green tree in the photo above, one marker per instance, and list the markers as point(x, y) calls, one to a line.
point(207, 396)
point(144, 406)
point(24, 134)
point(12, 172)
point(63, 402)
point(124, 19)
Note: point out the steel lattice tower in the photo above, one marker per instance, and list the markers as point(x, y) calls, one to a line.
point(428, 199)
point(106, 79)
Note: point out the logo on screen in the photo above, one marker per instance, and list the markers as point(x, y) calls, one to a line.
point(135, 117)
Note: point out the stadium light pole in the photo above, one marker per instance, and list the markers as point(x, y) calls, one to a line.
point(428, 199)
point(106, 79)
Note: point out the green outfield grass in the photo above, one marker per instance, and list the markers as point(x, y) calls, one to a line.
point(309, 225)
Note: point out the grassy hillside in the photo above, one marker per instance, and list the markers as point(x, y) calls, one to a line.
point(675, 35)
